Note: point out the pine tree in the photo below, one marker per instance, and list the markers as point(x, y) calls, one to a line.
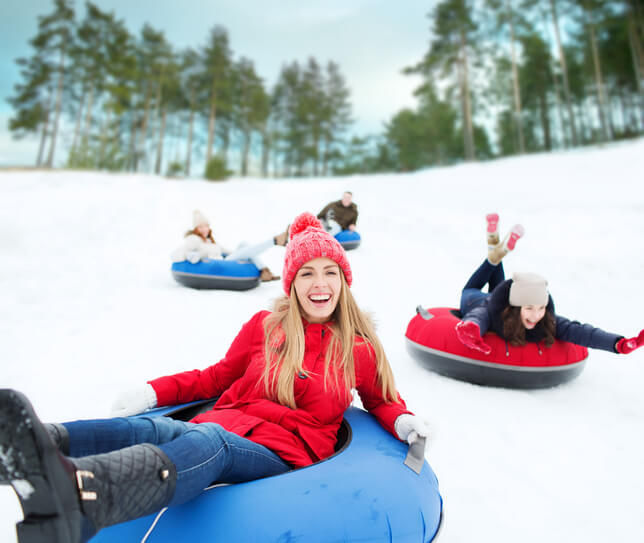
point(118, 143)
point(592, 14)
point(250, 107)
point(91, 58)
point(337, 115)
point(564, 72)
point(537, 80)
point(313, 111)
point(32, 101)
point(189, 81)
point(287, 112)
point(54, 37)
point(217, 62)
point(154, 56)
point(449, 57)
point(506, 15)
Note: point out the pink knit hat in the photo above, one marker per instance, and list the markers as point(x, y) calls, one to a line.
point(309, 240)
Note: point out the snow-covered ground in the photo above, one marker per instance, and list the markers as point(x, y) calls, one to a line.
point(88, 308)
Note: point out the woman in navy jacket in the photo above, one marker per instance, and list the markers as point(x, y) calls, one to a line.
point(520, 309)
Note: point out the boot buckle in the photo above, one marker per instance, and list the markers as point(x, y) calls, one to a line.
point(85, 495)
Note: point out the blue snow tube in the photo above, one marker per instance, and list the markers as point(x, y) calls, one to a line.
point(223, 274)
point(363, 492)
point(349, 239)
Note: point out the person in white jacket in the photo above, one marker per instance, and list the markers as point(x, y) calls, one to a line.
point(199, 244)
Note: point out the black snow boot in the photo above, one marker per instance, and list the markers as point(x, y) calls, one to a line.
point(67, 500)
point(41, 476)
point(125, 484)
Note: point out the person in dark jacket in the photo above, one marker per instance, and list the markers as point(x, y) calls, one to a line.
point(339, 215)
point(520, 309)
point(283, 387)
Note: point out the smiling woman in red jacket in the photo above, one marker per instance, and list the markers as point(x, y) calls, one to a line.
point(283, 387)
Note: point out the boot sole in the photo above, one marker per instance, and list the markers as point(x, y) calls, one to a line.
point(492, 220)
point(31, 464)
point(516, 233)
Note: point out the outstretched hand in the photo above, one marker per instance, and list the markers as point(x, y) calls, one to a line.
point(134, 401)
point(469, 334)
point(625, 346)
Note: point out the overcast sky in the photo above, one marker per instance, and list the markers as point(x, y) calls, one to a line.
point(371, 40)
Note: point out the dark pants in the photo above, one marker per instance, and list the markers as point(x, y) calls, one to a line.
point(473, 294)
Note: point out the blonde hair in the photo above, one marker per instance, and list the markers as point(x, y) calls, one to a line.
point(284, 347)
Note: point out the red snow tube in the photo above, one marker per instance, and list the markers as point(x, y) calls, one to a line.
point(431, 338)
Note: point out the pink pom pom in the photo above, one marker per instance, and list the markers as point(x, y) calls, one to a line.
point(302, 222)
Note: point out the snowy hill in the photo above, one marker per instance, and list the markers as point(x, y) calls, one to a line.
point(89, 308)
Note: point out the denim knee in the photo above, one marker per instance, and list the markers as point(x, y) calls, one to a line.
point(158, 430)
point(470, 298)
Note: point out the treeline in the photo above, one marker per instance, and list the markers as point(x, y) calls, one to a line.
point(134, 103)
point(500, 77)
point(505, 77)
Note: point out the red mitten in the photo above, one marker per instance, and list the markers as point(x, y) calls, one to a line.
point(469, 334)
point(625, 346)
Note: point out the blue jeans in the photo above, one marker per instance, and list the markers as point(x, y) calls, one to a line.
point(202, 453)
point(251, 252)
point(472, 294)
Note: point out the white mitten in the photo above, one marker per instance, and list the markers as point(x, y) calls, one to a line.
point(134, 401)
point(193, 256)
point(409, 426)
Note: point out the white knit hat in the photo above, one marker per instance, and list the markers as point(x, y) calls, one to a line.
point(198, 218)
point(528, 289)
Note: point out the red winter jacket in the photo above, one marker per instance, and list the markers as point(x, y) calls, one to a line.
point(299, 436)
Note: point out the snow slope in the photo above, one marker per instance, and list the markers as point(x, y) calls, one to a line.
point(88, 308)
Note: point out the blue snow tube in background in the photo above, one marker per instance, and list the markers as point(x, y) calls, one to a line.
point(220, 274)
point(349, 239)
point(363, 492)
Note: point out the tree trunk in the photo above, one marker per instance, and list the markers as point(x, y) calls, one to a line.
point(585, 125)
point(191, 121)
point(564, 73)
point(555, 84)
point(316, 153)
point(610, 117)
point(211, 123)
point(58, 107)
point(132, 160)
point(140, 152)
point(158, 107)
point(77, 124)
point(266, 150)
point(245, 151)
point(515, 81)
point(468, 136)
point(157, 166)
point(43, 132)
point(560, 115)
point(634, 109)
point(225, 141)
point(545, 121)
point(103, 138)
point(638, 62)
point(88, 118)
point(635, 42)
point(599, 84)
point(623, 110)
point(325, 156)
